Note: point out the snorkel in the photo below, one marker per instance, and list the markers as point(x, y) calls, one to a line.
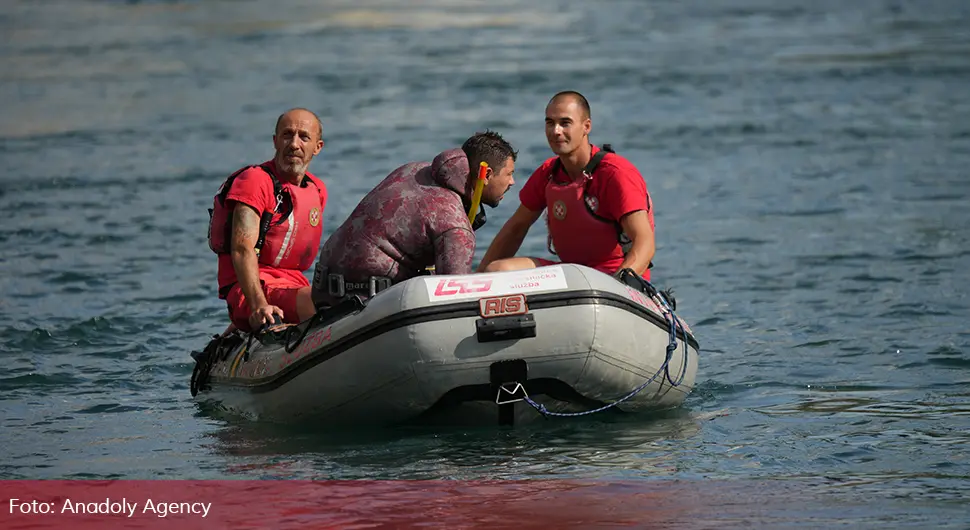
point(477, 194)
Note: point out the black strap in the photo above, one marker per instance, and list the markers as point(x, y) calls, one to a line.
point(588, 173)
point(597, 158)
point(594, 161)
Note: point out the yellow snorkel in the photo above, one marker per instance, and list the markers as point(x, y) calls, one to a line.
point(477, 194)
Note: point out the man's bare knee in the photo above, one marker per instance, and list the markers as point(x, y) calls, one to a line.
point(497, 266)
point(304, 303)
point(510, 264)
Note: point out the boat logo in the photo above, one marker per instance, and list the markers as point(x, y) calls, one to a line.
point(497, 306)
point(315, 217)
point(559, 210)
point(462, 286)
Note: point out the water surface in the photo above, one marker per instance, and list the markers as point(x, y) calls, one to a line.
point(807, 162)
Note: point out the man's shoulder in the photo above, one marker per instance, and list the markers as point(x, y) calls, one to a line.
point(403, 175)
point(402, 180)
point(410, 168)
point(618, 162)
point(256, 173)
point(616, 172)
point(616, 165)
point(250, 181)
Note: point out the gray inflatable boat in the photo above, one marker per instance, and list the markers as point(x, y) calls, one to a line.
point(495, 348)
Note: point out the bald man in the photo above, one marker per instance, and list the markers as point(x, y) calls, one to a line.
point(266, 224)
point(599, 211)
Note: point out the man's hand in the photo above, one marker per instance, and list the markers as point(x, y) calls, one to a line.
point(265, 315)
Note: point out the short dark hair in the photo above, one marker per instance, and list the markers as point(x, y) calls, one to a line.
point(488, 147)
point(317, 118)
point(577, 96)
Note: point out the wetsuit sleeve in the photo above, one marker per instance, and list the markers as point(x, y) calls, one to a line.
point(253, 187)
point(454, 251)
point(533, 194)
point(623, 191)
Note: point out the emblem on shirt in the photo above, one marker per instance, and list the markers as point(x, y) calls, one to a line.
point(592, 202)
point(559, 210)
point(315, 217)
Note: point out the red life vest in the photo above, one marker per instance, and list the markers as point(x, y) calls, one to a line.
point(295, 223)
point(580, 235)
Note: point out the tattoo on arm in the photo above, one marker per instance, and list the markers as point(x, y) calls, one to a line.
point(245, 231)
point(245, 227)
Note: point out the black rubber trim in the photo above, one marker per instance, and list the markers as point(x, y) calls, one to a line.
point(464, 309)
point(553, 388)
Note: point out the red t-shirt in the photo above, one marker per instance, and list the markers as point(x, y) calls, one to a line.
point(617, 185)
point(254, 188)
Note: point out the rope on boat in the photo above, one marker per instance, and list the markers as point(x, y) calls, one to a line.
point(204, 361)
point(671, 318)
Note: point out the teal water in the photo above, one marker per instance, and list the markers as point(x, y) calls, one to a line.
point(808, 162)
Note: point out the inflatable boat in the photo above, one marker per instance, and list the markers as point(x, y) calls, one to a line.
point(493, 348)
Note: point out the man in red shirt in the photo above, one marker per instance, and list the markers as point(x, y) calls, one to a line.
point(266, 225)
point(599, 211)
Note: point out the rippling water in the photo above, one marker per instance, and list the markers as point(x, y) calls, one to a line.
point(808, 162)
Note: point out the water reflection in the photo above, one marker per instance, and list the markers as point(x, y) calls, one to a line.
point(554, 449)
point(874, 406)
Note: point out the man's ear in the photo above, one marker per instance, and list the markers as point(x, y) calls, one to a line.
point(488, 174)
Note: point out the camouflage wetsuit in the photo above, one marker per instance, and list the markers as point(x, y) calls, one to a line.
point(416, 217)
